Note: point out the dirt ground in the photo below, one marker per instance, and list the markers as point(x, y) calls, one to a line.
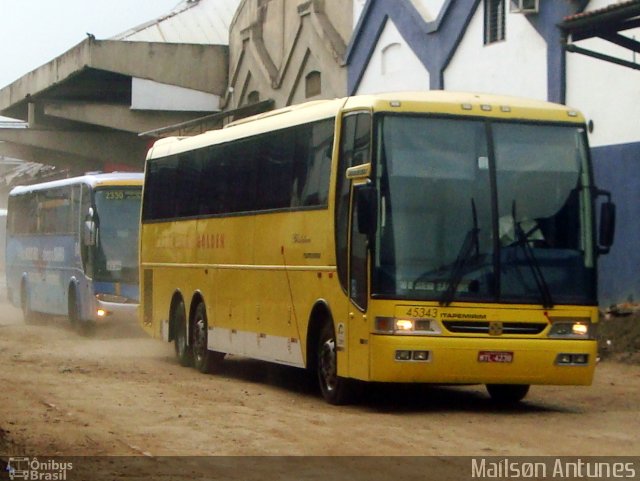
point(121, 393)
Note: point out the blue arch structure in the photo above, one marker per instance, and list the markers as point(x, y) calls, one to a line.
point(435, 43)
point(546, 24)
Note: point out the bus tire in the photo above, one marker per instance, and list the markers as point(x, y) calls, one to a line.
point(83, 327)
point(29, 317)
point(179, 325)
point(86, 328)
point(74, 308)
point(204, 360)
point(506, 394)
point(335, 389)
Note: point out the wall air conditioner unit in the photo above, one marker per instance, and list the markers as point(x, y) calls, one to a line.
point(524, 6)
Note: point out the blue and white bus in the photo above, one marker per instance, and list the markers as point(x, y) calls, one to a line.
point(72, 248)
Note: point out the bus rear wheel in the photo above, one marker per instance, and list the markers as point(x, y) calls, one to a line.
point(204, 360)
point(507, 393)
point(183, 352)
point(335, 389)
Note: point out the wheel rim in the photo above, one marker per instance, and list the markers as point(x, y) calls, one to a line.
point(200, 339)
point(327, 365)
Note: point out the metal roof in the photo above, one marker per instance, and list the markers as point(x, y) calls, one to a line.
point(604, 23)
point(614, 10)
point(191, 21)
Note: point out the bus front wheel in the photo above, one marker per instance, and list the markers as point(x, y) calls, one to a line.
point(84, 327)
point(204, 360)
point(183, 352)
point(335, 389)
point(74, 308)
point(28, 315)
point(507, 393)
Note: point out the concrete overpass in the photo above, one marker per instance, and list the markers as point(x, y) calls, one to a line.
point(86, 107)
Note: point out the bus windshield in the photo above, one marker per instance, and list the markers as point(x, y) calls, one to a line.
point(118, 214)
point(476, 210)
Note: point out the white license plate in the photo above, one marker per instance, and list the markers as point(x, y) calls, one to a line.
point(495, 356)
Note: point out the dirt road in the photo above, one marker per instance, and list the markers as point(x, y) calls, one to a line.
point(122, 393)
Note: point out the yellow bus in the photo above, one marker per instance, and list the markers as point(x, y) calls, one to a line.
point(429, 237)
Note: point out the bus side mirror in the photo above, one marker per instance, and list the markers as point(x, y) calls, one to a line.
point(89, 233)
point(365, 204)
point(607, 226)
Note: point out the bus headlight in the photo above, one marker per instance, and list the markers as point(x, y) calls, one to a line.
point(407, 326)
point(572, 329)
point(404, 325)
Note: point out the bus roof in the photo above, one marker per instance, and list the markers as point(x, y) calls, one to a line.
point(433, 101)
point(250, 126)
point(467, 104)
point(92, 180)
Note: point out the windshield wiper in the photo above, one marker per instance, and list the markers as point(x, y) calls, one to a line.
point(469, 245)
point(522, 239)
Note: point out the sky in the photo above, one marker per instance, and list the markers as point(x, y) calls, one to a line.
point(33, 32)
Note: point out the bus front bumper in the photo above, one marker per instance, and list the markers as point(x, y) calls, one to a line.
point(470, 360)
point(111, 312)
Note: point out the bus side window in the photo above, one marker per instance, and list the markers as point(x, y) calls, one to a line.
point(275, 165)
point(23, 214)
point(55, 211)
point(312, 164)
point(160, 188)
point(187, 179)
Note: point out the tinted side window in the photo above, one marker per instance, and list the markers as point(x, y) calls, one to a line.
point(160, 189)
point(23, 217)
point(211, 196)
point(278, 170)
point(312, 164)
point(227, 184)
point(243, 175)
point(187, 181)
point(275, 164)
point(54, 211)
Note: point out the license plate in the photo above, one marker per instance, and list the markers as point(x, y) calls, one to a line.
point(495, 356)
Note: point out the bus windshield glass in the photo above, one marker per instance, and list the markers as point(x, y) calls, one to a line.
point(118, 214)
point(491, 211)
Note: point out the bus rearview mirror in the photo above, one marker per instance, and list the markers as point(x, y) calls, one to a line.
point(89, 233)
point(607, 226)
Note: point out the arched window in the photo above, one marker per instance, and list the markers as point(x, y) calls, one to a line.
point(391, 59)
point(313, 84)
